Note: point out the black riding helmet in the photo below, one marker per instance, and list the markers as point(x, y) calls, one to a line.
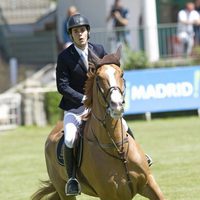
point(76, 21)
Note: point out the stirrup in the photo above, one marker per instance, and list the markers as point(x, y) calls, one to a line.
point(72, 187)
point(149, 160)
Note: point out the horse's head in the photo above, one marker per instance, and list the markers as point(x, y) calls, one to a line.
point(108, 84)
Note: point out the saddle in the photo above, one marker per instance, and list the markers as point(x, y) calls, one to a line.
point(78, 149)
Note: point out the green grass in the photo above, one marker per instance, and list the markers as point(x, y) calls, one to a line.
point(173, 144)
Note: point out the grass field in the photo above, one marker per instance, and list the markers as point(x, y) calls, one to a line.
point(173, 143)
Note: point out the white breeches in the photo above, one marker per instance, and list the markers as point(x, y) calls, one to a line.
point(71, 123)
point(187, 42)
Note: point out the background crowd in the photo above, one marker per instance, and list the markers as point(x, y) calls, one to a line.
point(188, 31)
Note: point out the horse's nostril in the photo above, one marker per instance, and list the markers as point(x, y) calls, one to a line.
point(116, 105)
point(113, 104)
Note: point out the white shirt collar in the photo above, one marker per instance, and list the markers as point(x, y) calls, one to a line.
point(80, 51)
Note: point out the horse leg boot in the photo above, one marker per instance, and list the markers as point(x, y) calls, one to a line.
point(72, 187)
point(149, 159)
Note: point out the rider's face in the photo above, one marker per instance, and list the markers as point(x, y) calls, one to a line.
point(80, 36)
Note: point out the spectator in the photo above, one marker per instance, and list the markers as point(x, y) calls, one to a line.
point(119, 14)
point(66, 37)
point(187, 18)
point(197, 27)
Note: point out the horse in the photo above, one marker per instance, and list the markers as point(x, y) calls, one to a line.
point(113, 164)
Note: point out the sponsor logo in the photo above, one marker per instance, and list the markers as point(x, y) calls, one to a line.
point(197, 83)
point(161, 91)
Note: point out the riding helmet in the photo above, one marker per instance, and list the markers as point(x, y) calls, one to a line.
point(76, 21)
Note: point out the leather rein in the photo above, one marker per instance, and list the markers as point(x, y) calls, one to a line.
point(119, 146)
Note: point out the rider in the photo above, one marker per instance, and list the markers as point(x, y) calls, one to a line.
point(71, 74)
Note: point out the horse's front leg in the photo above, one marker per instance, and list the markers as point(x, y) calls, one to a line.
point(152, 190)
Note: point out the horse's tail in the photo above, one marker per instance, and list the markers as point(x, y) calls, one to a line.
point(46, 188)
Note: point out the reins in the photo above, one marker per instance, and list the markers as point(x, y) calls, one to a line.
point(119, 146)
point(103, 121)
point(113, 144)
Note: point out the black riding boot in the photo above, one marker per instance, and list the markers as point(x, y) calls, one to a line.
point(130, 133)
point(72, 186)
point(149, 159)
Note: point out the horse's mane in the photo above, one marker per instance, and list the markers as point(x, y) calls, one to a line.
point(89, 86)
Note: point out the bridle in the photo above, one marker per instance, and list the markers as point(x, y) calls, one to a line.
point(119, 146)
point(107, 106)
point(105, 96)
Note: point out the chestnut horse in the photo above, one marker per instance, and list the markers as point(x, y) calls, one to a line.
point(114, 166)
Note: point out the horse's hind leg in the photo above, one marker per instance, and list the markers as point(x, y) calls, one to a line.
point(152, 190)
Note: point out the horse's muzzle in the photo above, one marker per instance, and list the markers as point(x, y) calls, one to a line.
point(116, 107)
point(116, 114)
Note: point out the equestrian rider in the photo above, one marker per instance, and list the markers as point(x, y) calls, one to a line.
point(71, 74)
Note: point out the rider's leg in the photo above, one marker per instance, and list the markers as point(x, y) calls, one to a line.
point(72, 186)
point(70, 130)
point(129, 131)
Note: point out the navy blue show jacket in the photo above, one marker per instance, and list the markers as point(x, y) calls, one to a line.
point(71, 74)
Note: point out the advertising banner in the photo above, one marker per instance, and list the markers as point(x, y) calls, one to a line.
point(160, 90)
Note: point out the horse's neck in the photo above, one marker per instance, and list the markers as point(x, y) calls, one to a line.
point(106, 127)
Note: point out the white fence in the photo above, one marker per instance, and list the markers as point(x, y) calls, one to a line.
point(10, 111)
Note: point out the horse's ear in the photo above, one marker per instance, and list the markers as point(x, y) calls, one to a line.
point(93, 57)
point(118, 52)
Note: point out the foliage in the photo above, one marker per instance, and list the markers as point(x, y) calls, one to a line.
point(139, 60)
point(174, 62)
point(134, 59)
point(54, 113)
point(196, 55)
